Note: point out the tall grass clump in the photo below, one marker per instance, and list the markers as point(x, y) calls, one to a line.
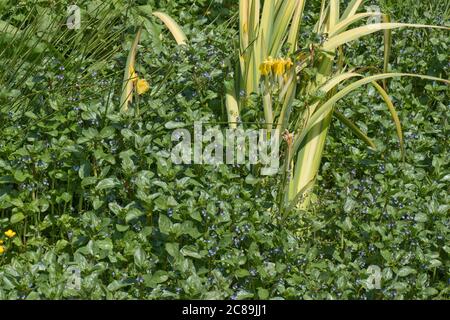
point(301, 82)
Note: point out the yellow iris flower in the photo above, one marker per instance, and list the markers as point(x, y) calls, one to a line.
point(264, 69)
point(276, 66)
point(2, 249)
point(133, 75)
point(288, 63)
point(142, 86)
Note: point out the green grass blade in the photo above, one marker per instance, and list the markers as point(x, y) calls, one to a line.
point(282, 20)
point(322, 17)
point(295, 26)
point(354, 128)
point(394, 115)
point(267, 26)
point(344, 24)
point(351, 9)
point(387, 46)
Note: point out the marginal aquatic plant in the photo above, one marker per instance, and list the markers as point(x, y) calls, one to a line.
point(274, 64)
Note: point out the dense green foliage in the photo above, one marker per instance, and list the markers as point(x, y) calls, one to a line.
point(86, 186)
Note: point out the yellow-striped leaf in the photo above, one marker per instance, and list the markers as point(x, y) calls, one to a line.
point(127, 87)
point(173, 27)
point(359, 32)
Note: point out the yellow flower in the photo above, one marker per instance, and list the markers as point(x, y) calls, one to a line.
point(10, 233)
point(142, 86)
point(264, 69)
point(266, 66)
point(1, 241)
point(132, 71)
point(134, 78)
point(2, 249)
point(133, 75)
point(278, 67)
point(288, 63)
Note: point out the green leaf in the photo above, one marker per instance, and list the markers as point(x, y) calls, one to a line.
point(263, 294)
point(20, 176)
point(191, 251)
point(394, 115)
point(116, 285)
point(122, 228)
point(17, 217)
point(154, 279)
point(359, 32)
point(327, 107)
point(250, 179)
point(243, 294)
point(355, 129)
point(88, 181)
point(187, 227)
point(174, 28)
point(107, 132)
point(421, 217)
point(430, 291)
point(106, 244)
point(127, 89)
point(173, 249)
point(108, 183)
point(140, 257)
point(165, 224)
point(174, 125)
point(242, 273)
point(61, 244)
point(98, 203)
point(133, 214)
point(349, 205)
point(406, 271)
point(435, 263)
point(115, 208)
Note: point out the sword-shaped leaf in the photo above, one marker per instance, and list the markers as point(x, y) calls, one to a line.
point(127, 87)
point(327, 107)
point(353, 127)
point(359, 32)
point(173, 27)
